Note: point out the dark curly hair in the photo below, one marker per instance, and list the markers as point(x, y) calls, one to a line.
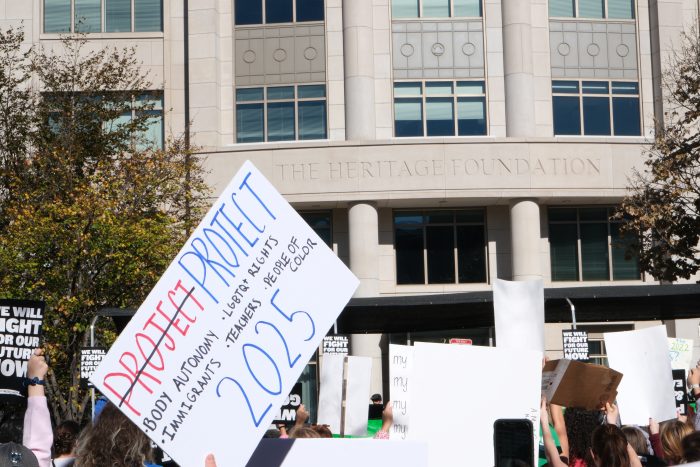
point(580, 424)
point(65, 437)
point(609, 446)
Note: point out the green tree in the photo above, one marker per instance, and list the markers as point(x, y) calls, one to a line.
point(97, 213)
point(663, 207)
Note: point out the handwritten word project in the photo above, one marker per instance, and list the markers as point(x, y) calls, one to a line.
point(219, 342)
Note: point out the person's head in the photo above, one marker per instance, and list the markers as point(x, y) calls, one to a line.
point(324, 431)
point(636, 439)
point(303, 432)
point(16, 455)
point(672, 433)
point(112, 440)
point(691, 447)
point(65, 437)
point(272, 433)
point(376, 398)
point(609, 447)
point(580, 424)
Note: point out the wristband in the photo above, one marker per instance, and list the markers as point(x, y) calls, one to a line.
point(34, 381)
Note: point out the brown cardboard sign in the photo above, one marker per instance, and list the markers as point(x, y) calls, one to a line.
point(570, 383)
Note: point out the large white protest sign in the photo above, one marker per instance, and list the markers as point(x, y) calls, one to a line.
point(357, 392)
point(458, 391)
point(646, 389)
point(518, 311)
point(330, 394)
point(219, 342)
point(680, 352)
point(338, 453)
point(400, 370)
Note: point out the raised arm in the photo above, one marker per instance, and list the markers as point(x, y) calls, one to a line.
point(557, 413)
point(550, 449)
point(37, 435)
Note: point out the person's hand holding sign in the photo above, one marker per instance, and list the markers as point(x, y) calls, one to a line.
point(37, 368)
point(210, 461)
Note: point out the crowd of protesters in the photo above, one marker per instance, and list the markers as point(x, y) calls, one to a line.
point(585, 438)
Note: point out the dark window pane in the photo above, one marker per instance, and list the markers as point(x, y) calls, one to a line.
point(471, 114)
point(567, 119)
point(118, 15)
point(593, 214)
point(596, 116)
point(563, 252)
point(439, 116)
point(441, 259)
point(565, 87)
point(467, 8)
point(148, 15)
point(471, 253)
point(248, 11)
point(280, 121)
point(409, 255)
point(309, 10)
point(278, 11)
point(561, 8)
point(88, 16)
point(280, 92)
point(626, 116)
point(312, 91)
point(439, 217)
point(562, 214)
point(312, 120)
point(408, 217)
point(408, 115)
point(594, 87)
point(436, 8)
point(56, 15)
point(625, 262)
point(470, 215)
point(321, 223)
point(249, 123)
point(249, 94)
point(621, 9)
point(590, 8)
point(594, 252)
point(625, 87)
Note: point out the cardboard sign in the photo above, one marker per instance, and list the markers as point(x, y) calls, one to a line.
point(226, 332)
point(288, 412)
point(400, 370)
point(680, 351)
point(518, 309)
point(336, 344)
point(90, 359)
point(679, 392)
point(20, 329)
point(338, 453)
point(570, 383)
point(470, 383)
point(575, 344)
point(646, 391)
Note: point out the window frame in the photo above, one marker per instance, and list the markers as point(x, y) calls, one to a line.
point(265, 101)
point(317, 212)
point(454, 95)
point(455, 253)
point(579, 256)
point(610, 95)
point(421, 16)
point(103, 20)
point(264, 16)
point(605, 17)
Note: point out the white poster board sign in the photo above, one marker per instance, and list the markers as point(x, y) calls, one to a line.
point(680, 352)
point(224, 335)
point(518, 310)
point(646, 389)
point(458, 391)
point(338, 453)
point(330, 397)
point(357, 392)
point(400, 370)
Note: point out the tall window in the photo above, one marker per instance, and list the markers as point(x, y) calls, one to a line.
point(584, 244)
point(278, 11)
point(64, 16)
point(322, 223)
point(611, 9)
point(600, 108)
point(435, 8)
point(281, 113)
point(439, 108)
point(150, 106)
point(440, 247)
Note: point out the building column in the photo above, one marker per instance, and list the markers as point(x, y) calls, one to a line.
point(525, 239)
point(363, 232)
point(358, 61)
point(518, 68)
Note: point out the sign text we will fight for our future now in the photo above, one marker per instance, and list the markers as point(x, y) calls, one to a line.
point(229, 327)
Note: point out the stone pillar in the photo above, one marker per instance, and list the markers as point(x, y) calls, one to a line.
point(364, 253)
point(358, 56)
point(518, 68)
point(525, 239)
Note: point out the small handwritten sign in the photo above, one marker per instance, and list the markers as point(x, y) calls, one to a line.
point(400, 370)
point(227, 330)
point(680, 351)
point(20, 330)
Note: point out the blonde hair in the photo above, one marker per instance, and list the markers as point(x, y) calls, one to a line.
point(672, 433)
